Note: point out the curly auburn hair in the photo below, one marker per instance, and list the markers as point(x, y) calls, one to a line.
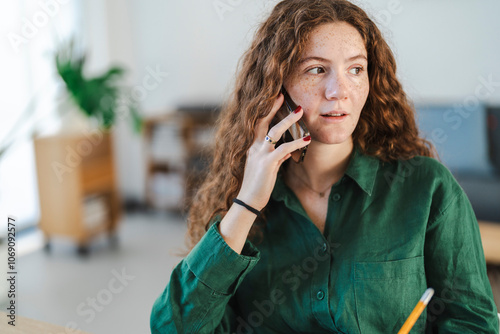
point(386, 128)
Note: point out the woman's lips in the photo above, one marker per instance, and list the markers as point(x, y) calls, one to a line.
point(334, 113)
point(334, 117)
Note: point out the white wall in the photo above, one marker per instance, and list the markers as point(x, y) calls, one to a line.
point(443, 47)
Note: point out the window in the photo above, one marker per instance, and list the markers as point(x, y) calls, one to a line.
point(29, 93)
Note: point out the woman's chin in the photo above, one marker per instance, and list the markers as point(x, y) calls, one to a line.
point(337, 139)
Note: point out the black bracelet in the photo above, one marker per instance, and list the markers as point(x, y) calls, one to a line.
point(248, 207)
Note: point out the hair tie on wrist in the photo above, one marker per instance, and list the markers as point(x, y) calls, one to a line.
point(248, 207)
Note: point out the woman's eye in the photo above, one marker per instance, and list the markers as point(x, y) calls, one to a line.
point(357, 70)
point(316, 70)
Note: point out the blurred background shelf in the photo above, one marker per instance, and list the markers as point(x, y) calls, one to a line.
point(177, 155)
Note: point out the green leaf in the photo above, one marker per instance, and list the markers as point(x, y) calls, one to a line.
point(97, 97)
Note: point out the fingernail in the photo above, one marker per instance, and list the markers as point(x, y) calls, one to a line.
point(308, 138)
point(297, 110)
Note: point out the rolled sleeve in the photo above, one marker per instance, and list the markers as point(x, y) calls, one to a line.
point(196, 300)
point(217, 265)
point(456, 269)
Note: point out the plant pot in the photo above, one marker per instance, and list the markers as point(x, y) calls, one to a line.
point(72, 120)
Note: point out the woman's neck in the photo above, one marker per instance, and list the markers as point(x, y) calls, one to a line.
point(323, 165)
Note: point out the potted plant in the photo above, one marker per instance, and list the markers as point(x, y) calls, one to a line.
point(100, 97)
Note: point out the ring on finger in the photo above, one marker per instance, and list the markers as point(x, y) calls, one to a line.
point(270, 140)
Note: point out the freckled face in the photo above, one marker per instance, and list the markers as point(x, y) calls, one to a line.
point(331, 82)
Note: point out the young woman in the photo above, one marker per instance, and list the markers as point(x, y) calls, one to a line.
point(347, 240)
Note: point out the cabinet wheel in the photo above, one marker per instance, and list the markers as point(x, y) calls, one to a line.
point(47, 246)
point(83, 250)
point(114, 241)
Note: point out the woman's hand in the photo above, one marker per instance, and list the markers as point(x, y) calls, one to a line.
point(264, 160)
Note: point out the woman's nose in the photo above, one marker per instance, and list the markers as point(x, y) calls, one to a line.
point(336, 88)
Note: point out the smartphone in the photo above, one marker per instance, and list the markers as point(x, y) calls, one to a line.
point(296, 131)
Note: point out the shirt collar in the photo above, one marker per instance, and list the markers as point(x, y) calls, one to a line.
point(362, 169)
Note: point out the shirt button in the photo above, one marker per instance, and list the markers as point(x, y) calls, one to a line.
point(324, 248)
point(320, 295)
point(337, 197)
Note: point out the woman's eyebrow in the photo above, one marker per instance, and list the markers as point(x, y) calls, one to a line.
point(303, 60)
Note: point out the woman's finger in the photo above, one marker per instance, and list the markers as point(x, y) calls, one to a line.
point(279, 129)
point(287, 148)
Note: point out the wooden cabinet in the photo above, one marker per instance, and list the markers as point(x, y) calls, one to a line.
point(77, 187)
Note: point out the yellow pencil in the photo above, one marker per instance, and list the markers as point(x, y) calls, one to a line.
point(413, 317)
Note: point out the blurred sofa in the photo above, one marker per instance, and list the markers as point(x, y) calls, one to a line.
point(468, 142)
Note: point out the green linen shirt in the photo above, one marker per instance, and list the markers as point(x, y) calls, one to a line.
point(392, 230)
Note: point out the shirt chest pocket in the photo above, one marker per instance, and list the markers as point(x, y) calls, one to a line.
point(386, 293)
